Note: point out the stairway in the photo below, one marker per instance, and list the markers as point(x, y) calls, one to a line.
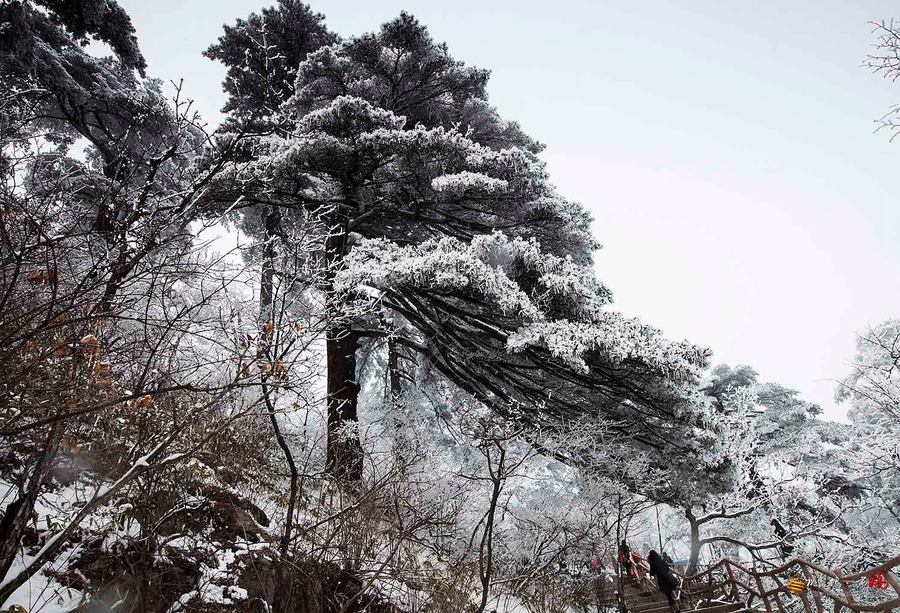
point(645, 597)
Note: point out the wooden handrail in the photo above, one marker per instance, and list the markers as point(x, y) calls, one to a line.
point(701, 585)
point(780, 569)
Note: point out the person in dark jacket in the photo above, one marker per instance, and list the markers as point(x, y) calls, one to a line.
point(781, 532)
point(665, 578)
point(625, 558)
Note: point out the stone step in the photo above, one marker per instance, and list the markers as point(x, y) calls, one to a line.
point(637, 591)
point(730, 607)
point(643, 592)
point(652, 608)
point(722, 607)
point(647, 605)
point(657, 602)
point(644, 596)
point(661, 605)
point(646, 600)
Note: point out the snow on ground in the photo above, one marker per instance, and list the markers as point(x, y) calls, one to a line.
point(42, 593)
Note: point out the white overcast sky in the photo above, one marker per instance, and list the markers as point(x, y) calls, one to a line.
point(725, 149)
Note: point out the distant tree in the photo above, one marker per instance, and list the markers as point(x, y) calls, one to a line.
point(769, 430)
point(822, 489)
point(872, 391)
point(886, 62)
point(873, 387)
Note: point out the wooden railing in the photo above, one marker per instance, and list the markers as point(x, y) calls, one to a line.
point(731, 581)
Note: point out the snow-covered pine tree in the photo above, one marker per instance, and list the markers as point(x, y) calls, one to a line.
point(436, 210)
point(262, 53)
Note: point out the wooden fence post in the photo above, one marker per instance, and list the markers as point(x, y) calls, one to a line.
point(847, 592)
point(809, 580)
point(762, 593)
point(890, 579)
point(734, 585)
point(777, 595)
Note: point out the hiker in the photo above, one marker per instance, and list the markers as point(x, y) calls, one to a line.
point(781, 532)
point(625, 558)
point(665, 578)
point(640, 565)
point(667, 559)
point(679, 579)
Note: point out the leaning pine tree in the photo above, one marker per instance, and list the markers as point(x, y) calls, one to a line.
point(440, 231)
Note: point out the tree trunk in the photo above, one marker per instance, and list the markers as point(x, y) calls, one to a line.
point(266, 353)
point(695, 543)
point(620, 581)
point(396, 387)
point(15, 517)
point(486, 548)
point(344, 459)
point(395, 390)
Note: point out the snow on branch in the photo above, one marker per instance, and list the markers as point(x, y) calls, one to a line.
point(518, 280)
point(350, 115)
point(464, 182)
point(618, 338)
point(445, 265)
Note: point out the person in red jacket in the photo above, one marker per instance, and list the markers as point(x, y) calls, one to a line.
point(640, 565)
